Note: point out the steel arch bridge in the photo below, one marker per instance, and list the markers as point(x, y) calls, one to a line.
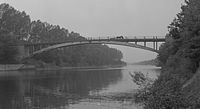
point(31, 49)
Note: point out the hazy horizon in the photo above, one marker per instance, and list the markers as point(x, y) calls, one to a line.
point(96, 18)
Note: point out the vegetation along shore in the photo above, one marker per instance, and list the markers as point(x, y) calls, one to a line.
point(178, 84)
point(16, 26)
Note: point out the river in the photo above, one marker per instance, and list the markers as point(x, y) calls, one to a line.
point(108, 88)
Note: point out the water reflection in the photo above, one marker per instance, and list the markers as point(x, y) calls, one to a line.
point(50, 89)
point(69, 89)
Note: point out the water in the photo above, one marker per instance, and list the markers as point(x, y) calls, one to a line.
point(110, 88)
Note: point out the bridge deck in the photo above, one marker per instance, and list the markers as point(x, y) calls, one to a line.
point(112, 39)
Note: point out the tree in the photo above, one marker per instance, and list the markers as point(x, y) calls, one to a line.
point(180, 58)
point(7, 52)
point(14, 21)
point(17, 26)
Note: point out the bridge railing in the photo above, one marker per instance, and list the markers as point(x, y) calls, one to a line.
point(108, 38)
point(124, 37)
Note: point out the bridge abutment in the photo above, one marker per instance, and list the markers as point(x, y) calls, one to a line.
point(22, 52)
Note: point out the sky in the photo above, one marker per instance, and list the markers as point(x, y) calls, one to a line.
point(102, 18)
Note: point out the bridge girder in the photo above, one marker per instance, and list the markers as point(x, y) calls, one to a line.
point(92, 42)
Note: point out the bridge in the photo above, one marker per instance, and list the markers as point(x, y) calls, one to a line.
point(31, 49)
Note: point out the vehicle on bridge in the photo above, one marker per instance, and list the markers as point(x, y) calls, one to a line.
point(118, 37)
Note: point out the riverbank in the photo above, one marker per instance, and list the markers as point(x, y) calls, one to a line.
point(154, 62)
point(79, 67)
point(12, 67)
point(178, 85)
point(40, 65)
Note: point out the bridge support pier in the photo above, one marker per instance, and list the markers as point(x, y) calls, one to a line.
point(156, 45)
point(22, 52)
point(31, 49)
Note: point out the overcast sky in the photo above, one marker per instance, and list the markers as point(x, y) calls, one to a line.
point(94, 18)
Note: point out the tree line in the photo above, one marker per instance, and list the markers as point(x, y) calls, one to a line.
point(178, 84)
point(17, 26)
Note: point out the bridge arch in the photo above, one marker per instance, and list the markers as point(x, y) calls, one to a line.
point(92, 42)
